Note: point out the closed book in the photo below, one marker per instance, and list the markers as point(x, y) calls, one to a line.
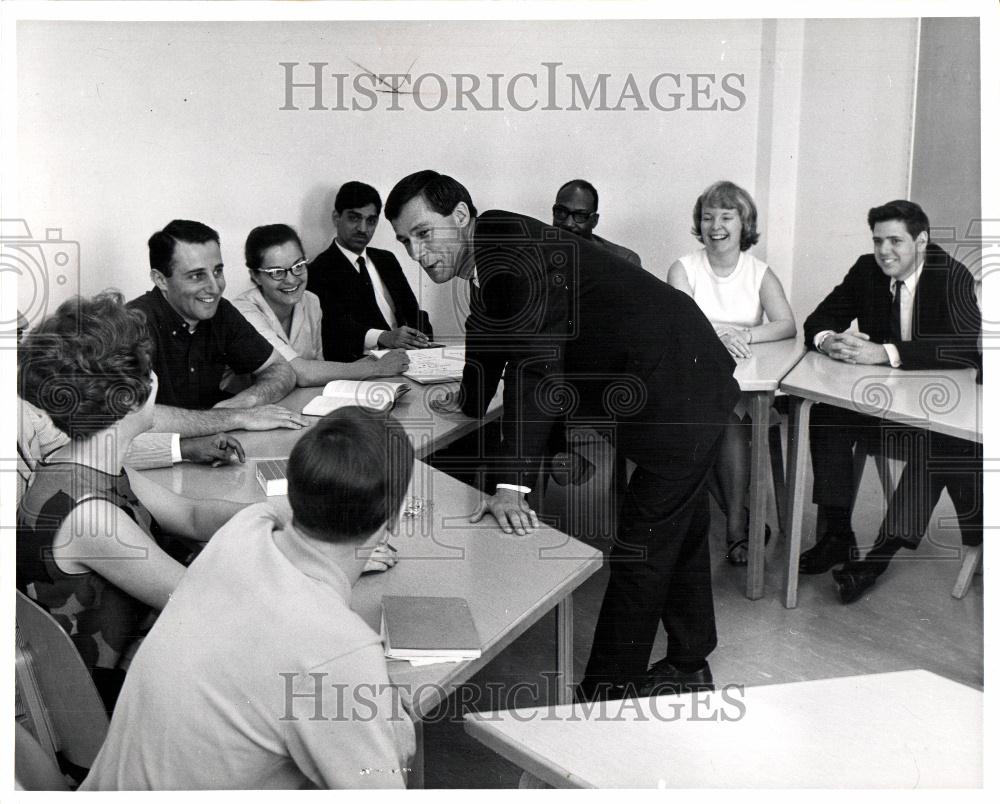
point(429, 627)
point(377, 395)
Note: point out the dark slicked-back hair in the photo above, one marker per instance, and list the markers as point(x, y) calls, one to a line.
point(442, 194)
point(348, 474)
point(262, 238)
point(582, 184)
point(88, 364)
point(726, 195)
point(354, 195)
point(161, 244)
point(911, 214)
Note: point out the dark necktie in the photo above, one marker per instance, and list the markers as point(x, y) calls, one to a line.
point(896, 318)
point(367, 282)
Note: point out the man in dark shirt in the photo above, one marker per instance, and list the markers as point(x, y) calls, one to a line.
point(367, 302)
point(196, 333)
point(575, 210)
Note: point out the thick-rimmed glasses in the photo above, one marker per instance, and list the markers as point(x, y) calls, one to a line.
point(560, 213)
point(277, 274)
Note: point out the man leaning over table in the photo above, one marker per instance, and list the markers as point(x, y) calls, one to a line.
point(196, 334)
point(915, 308)
point(546, 313)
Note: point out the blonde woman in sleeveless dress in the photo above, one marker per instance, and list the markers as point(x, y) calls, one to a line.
point(746, 304)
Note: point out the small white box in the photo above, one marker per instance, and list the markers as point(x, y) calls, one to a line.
point(271, 476)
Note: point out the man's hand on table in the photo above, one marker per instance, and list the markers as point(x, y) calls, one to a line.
point(511, 511)
point(854, 347)
point(403, 338)
point(217, 449)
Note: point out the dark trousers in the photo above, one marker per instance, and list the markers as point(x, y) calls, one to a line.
point(660, 572)
point(933, 462)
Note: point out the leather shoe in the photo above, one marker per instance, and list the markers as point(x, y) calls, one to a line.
point(665, 679)
point(827, 553)
point(854, 579)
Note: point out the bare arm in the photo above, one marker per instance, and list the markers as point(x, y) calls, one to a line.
point(780, 318)
point(217, 420)
point(102, 538)
point(677, 278)
point(195, 519)
point(320, 372)
point(271, 382)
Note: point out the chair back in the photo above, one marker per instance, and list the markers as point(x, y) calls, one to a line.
point(55, 689)
point(34, 769)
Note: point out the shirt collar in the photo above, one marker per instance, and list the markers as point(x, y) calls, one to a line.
point(175, 319)
point(352, 258)
point(311, 561)
point(910, 283)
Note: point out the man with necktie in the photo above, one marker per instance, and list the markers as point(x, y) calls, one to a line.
point(916, 309)
point(581, 336)
point(366, 300)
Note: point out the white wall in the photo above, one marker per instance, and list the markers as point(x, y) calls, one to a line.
point(854, 143)
point(124, 126)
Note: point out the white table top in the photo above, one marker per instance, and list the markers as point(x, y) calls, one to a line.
point(768, 363)
point(888, 730)
point(510, 582)
point(943, 400)
point(428, 431)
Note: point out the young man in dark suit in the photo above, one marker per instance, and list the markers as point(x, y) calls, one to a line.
point(585, 337)
point(366, 300)
point(916, 309)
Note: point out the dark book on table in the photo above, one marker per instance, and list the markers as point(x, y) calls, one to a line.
point(426, 627)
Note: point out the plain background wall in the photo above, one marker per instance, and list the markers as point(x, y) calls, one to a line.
point(123, 126)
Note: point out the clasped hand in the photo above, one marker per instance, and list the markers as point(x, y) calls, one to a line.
point(735, 340)
point(854, 347)
point(511, 511)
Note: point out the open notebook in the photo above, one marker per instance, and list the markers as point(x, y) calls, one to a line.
point(378, 395)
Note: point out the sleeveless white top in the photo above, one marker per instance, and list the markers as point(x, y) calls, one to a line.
point(733, 299)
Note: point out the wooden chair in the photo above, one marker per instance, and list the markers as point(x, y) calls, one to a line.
point(60, 701)
point(34, 769)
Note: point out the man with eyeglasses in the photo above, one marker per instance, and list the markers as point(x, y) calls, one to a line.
point(196, 334)
point(575, 211)
point(367, 302)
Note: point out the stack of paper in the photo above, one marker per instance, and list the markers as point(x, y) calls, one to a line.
point(434, 365)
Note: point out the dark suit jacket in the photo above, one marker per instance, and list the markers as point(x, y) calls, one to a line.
point(349, 311)
point(590, 339)
point(946, 317)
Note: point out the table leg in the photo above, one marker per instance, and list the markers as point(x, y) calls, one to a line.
point(415, 779)
point(761, 402)
point(798, 449)
point(564, 650)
